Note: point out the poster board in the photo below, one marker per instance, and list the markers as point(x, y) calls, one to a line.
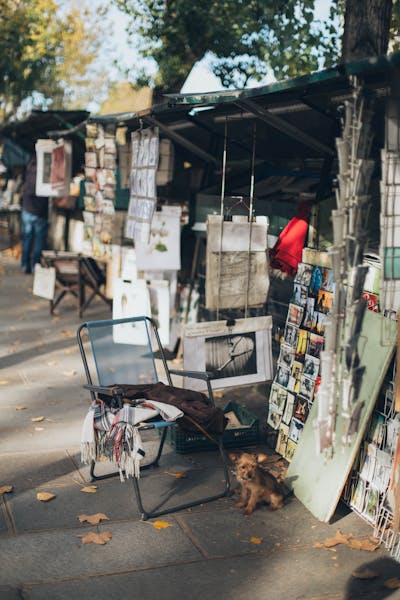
point(316, 481)
point(237, 355)
point(163, 250)
point(44, 150)
point(44, 282)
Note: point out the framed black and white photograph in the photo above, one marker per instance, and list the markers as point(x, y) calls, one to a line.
point(237, 354)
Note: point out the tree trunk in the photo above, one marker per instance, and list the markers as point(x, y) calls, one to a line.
point(366, 28)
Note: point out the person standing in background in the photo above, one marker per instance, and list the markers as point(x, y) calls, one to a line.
point(35, 211)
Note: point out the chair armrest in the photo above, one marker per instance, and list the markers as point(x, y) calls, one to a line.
point(204, 375)
point(112, 391)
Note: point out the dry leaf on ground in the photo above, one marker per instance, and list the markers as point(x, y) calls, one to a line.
point(89, 489)
point(45, 496)
point(69, 373)
point(218, 395)
point(96, 538)
point(161, 524)
point(392, 584)
point(66, 333)
point(39, 428)
point(37, 419)
point(366, 574)
point(3, 382)
point(93, 519)
point(256, 540)
point(6, 489)
point(52, 363)
point(178, 475)
point(338, 538)
point(363, 545)
point(20, 408)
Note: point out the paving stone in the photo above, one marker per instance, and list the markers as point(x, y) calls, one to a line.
point(39, 557)
point(280, 575)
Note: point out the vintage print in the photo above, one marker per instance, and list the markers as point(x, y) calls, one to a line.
point(295, 430)
point(308, 313)
point(286, 355)
point(282, 440)
point(303, 275)
point(295, 315)
point(328, 282)
point(311, 366)
point(282, 375)
point(316, 281)
point(301, 409)
point(315, 344)
point(318, 322)
point(290, 450)
point(300, 294)
point(301, 347)
point(288, 412)
point(274, 417)
point(306, 387)
point(278, 397)
point(324, 301)
point(290, 335)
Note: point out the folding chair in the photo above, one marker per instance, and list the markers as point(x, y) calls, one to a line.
point(122, 351)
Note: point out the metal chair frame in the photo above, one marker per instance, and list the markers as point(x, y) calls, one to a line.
point(116, 398)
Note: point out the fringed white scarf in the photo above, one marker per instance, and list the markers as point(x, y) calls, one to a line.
point(114, 433)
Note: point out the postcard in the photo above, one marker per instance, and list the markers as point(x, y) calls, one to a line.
point(282, 440)
point(303, 275)
point(286, 355)
point(311, 366)
point(282, 375)
point(296, 373)
point(306, 387)
point(110, 161)
point(315, 344)
point(89, 203)
point(290, 335)
point(91, 159)
point(90, 173)
point(328, 282)
point(301, 409)
point(358, 497)
point(371, 505)
point(318, 322)
point(308, 313)
point(274, 417)
point(316, 281)
point(295, 315)
point(324, 301)
point(110, 146)
point(300, 294)
point(90, 144)
point(277, 397)
point(91, 130)
point(288, 412)
point(295, 430)
point(290, 450)
point(90, 188)
point(301, 347)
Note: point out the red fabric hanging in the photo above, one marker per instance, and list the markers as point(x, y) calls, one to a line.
point(286, 254)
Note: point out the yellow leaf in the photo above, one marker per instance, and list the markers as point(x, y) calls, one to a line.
point(161, 524)
point(39, 428)
point(392, 584)
point(37, 419)
point(3, 382)
point(5, 489)
point(52, 363)
point(218, 395)
point(96, 538)
point(256, 540)
point(89, 489)
point(20, 408)
point(178, 475)
point(93, 519)
point(66, 333)
point(45, 496)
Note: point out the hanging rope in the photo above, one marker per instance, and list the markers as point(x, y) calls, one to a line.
point(224, 155)
point(253, 156)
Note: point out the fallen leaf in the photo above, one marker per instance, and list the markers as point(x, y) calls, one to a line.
point(89, 489)
point(256, 540)
point(366, 574)
point(69, 373)
point(338, 538)
point(52, 363)
point(392, 584)
point(45, 496)
point(39, 428)
point(66, 333)
point(20, 408)
point(176, 475)
point(3, 382)
point(6, 489)
point(96, 538)
point(37, 419)
point(35, 308)
point(161, 524)
point(218, 395)
point(363, 545)
point(93, 519)
point(70, 351)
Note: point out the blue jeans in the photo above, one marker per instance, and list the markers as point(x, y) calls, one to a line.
point(34, 237)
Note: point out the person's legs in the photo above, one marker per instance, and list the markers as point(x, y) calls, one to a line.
point(40, 227)
point(27, 238)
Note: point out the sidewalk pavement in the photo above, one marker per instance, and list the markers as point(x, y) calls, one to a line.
point(212, 551)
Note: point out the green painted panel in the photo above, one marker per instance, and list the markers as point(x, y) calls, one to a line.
point(316, 481)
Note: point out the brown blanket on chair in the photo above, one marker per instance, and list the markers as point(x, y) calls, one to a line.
point(193, 404)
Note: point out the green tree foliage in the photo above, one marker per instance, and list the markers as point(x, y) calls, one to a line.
point(44, 50)
point(245, 36)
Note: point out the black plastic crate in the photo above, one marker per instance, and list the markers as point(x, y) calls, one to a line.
point(187, 441)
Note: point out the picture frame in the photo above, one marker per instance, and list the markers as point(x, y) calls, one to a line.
point(237, 354)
